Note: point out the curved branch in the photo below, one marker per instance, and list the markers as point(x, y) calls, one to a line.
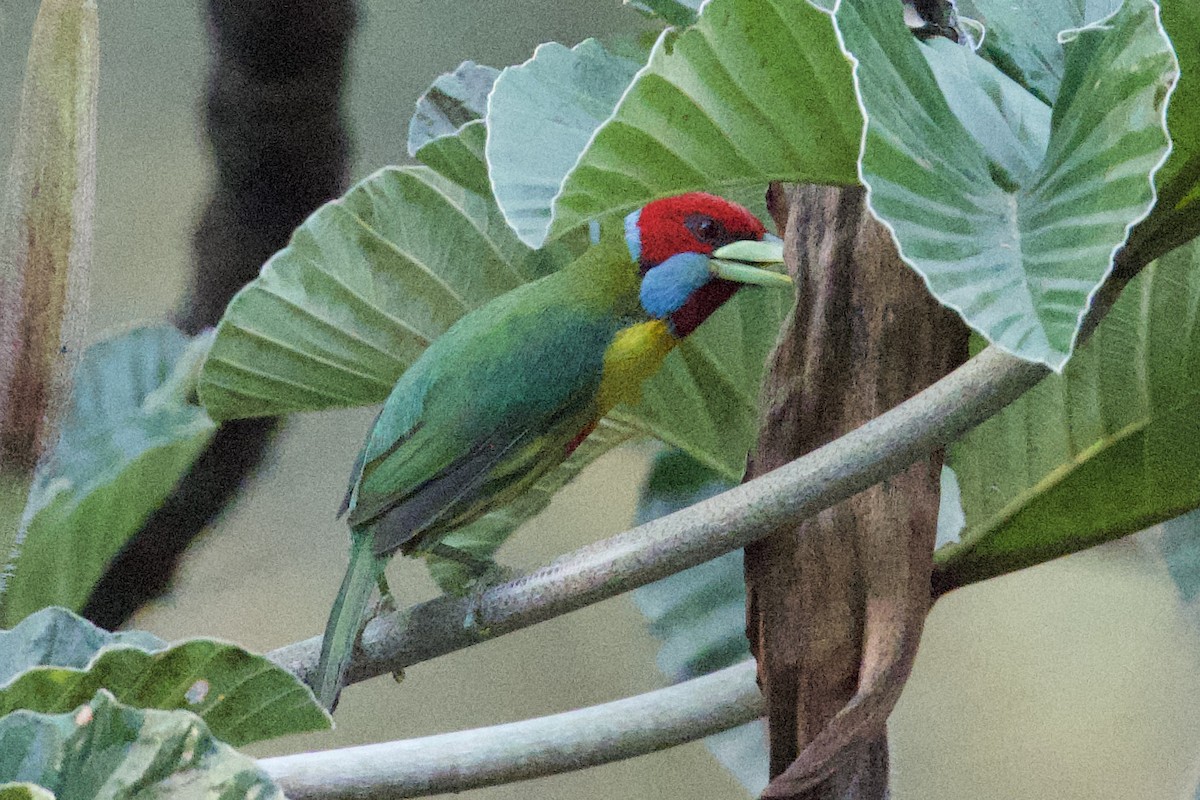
point(729, 521)
point(454, 762)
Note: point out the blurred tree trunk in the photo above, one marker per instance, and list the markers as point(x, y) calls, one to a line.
point(836, 604)
point(280, 149)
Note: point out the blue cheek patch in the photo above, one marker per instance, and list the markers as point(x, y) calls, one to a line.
point(667, 287)
point(633, 235)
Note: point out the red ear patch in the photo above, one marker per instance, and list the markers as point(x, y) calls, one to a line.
point(664, 231)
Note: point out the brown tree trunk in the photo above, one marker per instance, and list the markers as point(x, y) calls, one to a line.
point(836, 604)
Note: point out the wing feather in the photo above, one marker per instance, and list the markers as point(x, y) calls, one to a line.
point(489, 390)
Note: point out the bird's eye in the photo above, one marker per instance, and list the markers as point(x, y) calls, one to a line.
point(705, 228)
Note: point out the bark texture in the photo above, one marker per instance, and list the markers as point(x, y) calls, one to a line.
point(273, 116)
point(837, 603)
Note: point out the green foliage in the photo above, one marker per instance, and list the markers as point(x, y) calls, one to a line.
point(367, 282)
point(1010, 207)
point(541, 116)
point(447, 134)
point(1102, 451)
point(1012, 229)
point(128, 436)
point(1175, 219)
point(739, 99)
point(105, 750)
point(53, 661)
point(1024, 43)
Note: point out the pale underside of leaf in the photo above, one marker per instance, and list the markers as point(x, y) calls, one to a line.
point(1017, 252)
point(756, 91)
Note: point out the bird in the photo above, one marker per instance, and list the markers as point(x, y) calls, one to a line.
point(514, 386)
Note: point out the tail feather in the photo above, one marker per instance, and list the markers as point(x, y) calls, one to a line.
point(346, 618)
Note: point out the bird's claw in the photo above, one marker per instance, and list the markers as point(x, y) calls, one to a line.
point(494, 575)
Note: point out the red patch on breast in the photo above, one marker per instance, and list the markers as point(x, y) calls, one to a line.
point(579, 437)
point(701, 304)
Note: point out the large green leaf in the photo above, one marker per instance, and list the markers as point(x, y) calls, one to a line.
point(1012, 232)
point(447, 133)
point(130, 434)
point(1176, 217)
point(540, 118)
point(757, 90)
point(700, 614)
point(1024, 42)
point(1102, 451)
point(53, 661)
point(107, 751)
point(367, 282)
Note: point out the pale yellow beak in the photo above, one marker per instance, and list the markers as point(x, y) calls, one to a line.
point(733, 262)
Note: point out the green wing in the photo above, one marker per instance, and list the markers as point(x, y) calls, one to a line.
point(488, 404)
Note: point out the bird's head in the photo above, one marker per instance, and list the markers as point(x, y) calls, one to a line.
point(694, 251)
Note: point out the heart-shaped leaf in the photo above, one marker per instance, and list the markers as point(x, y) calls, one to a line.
point(1012, 233)
point(541, 116)
point(107, 751)
point(129, 435)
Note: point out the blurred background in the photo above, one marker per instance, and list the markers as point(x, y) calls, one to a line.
point(1077, 679)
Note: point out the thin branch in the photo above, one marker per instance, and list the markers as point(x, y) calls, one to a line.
point(454, 762)
point(816, 481)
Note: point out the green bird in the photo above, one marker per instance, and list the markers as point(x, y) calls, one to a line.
point(512, 388)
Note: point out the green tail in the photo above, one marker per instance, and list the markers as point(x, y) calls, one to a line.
point(346, 618)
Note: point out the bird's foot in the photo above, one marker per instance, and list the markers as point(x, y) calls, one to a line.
point(386, 604)
point(494, 575)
